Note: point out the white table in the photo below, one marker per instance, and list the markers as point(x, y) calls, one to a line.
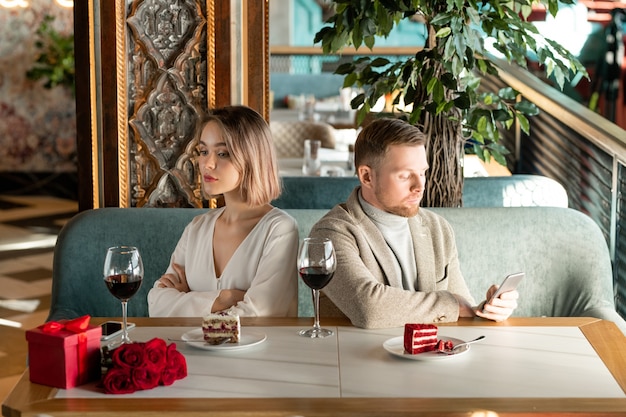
point(540, 365)
point(331, 115)
point(511, 362)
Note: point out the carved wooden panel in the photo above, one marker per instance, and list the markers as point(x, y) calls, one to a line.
point(167, 88)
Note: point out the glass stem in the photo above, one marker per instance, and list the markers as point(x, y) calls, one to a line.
point(316, 305)
point(125, 338)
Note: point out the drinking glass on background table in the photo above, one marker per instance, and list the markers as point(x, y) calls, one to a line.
point(316, 266)
point(123, 273)
point(311, 162)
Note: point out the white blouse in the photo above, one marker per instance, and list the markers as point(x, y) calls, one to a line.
point(264, 265)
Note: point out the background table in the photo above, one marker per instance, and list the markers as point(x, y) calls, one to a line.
point(473, 167)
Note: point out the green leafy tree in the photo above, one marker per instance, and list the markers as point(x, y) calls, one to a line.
point(55, 62)
point(439, 87)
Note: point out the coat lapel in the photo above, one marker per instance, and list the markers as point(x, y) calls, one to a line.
point(382, 252)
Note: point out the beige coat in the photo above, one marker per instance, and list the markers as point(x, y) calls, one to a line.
point(361, 287)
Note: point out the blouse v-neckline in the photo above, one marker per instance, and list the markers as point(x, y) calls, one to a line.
point(212, 232)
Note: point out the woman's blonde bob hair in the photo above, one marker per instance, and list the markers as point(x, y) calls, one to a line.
point(249, 142)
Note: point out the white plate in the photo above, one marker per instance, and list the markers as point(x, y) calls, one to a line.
point(195, 338)
point(395, 346)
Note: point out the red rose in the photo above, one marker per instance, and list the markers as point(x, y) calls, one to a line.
point(156, 350)
point(176, 367)
point(118, 381)
point(146, 376)
point(129, 355)
point(139, 366)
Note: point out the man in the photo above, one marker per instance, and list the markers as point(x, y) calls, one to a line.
point(396, 263)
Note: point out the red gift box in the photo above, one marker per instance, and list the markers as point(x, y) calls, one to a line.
point(64, 354)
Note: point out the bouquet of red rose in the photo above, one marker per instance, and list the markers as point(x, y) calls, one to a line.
point(139, 366)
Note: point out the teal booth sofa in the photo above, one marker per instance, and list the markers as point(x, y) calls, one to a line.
point(562, 251)
point(519, 190)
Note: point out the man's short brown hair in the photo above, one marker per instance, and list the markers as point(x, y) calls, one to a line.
point(374, 140)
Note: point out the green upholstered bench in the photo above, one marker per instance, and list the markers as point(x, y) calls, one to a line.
point(562, 251)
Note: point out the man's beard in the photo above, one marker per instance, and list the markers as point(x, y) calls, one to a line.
point(403, 211)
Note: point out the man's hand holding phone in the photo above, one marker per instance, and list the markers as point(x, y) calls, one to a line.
point(501, 300)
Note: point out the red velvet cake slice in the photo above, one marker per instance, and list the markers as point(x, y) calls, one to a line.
point(419, 338)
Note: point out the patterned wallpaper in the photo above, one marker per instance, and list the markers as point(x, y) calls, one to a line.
point(37, 125)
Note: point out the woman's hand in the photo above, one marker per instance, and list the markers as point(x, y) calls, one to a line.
point(177, 280)
point(227, 299)
point(500, 308)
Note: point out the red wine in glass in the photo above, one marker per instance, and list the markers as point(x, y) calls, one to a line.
point(123, 273)
point(315, 278)
point(316, 266)
point(121, 286)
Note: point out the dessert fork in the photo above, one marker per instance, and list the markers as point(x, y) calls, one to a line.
point(457, 348)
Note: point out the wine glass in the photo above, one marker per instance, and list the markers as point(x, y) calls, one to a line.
point(316, 266)
point(123, 273)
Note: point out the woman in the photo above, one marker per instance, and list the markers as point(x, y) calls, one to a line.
point(240, 257)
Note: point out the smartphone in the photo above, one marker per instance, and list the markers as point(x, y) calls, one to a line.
point(510, 283)
point(112, 329)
